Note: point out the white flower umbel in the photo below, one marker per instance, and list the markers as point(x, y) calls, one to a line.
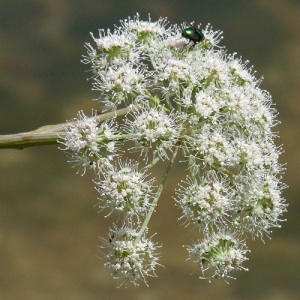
point(205, 203)
point(89, 142)
point(124, 188)
point(218, 254)
point(169, 94)
point(132, 256)
point(153, 128)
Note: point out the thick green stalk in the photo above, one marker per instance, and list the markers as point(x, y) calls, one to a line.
point(46, 135)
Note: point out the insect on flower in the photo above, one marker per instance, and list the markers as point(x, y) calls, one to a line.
point(193, 33)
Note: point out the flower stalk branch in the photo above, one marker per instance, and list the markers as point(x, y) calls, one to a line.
point(47, 135)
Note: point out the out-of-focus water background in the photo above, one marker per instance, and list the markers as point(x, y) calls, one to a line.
point(49, 226)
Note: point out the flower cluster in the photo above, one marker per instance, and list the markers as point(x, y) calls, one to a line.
point(219, 254)
point(90, 144)
point(125, 189)
point(161, 93)
point(131, 256)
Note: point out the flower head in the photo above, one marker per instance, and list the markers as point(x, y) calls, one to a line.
point(124, 188)
point(168, 95)
point(153, 128)
point(205, 203)
point(90, 142)
point(132, 257)
point(218, 254)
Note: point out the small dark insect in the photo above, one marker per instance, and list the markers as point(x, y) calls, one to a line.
point(193, 33)
point(111, 239)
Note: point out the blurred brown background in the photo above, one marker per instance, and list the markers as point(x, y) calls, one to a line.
point(48, 226)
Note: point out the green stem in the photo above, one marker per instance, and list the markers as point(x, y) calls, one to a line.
point(157, 195)
point(46, 135)
point(153, 163)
